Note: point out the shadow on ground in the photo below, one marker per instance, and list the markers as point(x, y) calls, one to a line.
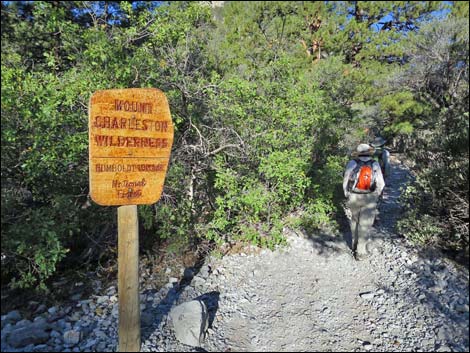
point(155, 316)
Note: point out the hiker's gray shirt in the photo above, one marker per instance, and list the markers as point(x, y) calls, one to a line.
point(379, 179)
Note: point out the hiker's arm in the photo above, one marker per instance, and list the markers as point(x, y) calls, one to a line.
point(349, 168)
point(379, 179)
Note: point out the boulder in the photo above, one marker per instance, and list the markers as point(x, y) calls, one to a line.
point(26, 335)
point(72, 337)
point(190, 321)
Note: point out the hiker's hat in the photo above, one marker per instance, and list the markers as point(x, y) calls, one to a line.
point(378, 141)
point(364, 150)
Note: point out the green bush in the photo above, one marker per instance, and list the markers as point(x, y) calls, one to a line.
point(421, 229)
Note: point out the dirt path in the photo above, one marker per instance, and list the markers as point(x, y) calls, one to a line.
point(313, 296)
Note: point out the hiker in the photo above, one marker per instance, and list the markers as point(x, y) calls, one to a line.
point(363, 183)
point(383, 156)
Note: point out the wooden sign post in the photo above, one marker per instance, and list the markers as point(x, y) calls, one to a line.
point(130, 139)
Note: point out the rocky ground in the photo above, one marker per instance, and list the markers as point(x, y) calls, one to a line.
point(309, 296)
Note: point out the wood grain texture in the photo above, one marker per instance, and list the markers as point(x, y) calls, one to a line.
point(128, 279)
point(130, 140)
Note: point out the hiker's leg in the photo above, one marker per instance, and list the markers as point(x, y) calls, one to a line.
point(354, 221)
point(368, 212)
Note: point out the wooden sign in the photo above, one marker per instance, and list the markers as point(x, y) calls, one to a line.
point(130, 139)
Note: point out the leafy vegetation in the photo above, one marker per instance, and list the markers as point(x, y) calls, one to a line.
point(267, 99)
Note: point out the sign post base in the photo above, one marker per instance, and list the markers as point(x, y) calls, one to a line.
point(128, 279)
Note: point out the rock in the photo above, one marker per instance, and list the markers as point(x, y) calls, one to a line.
point(75, 316)
point(190, 322)
point(188, 274)
point(102, 299)
point(23, 322)
point(198, 282)
point(173, 280)
point(441, 333)
point(97, 285)
point(146, 319)
point(76, 297)
point(12, 317)
point(41, 308)
point(461, 308)
point(41, 348)
point(27, 335)
point(5, 332)
point(366, 295)
point(55, 334)
point(367, 346)
point(52, 310)
point(72, 337)
point(87, 347)
point(205, 271)
point(111, 290)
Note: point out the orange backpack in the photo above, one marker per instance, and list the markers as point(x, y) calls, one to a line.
point(362, 179)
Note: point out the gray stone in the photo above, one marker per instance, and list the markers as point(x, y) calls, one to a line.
point(173, 280)
point(366, 295)
point(441, 333)
point(188, 273)
point(204, 272)
point(111, 290)
point(102, 299)
point(55, 334)
point(52, 310)
point(461, 308)
point(28, 348)
point(41, 348)
point(76, 297)
point(75, 316)
point(72, 337)
point(23, 323)
point(190, 322)
point(27, 335)
point(146, 319)
point(5, 332)
point(12, 317)
point(105, 323)
point(85, 308)
point(41, 308)
point(198, 282)
point(89, 345)
point(101, 347)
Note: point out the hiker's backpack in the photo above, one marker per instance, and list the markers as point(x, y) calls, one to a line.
point(362, 178)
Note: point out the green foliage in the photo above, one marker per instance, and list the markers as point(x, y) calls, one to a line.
point(267, 98)
point(438, 143)
point(421, 229)
point(418, 226)
point(285, 173)
point(317, 215)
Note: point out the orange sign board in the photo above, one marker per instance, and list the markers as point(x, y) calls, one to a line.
point(130, 139)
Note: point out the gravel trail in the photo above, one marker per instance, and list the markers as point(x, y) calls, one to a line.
point(309, 296)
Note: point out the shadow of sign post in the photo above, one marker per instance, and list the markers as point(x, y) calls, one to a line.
point(130, 140)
